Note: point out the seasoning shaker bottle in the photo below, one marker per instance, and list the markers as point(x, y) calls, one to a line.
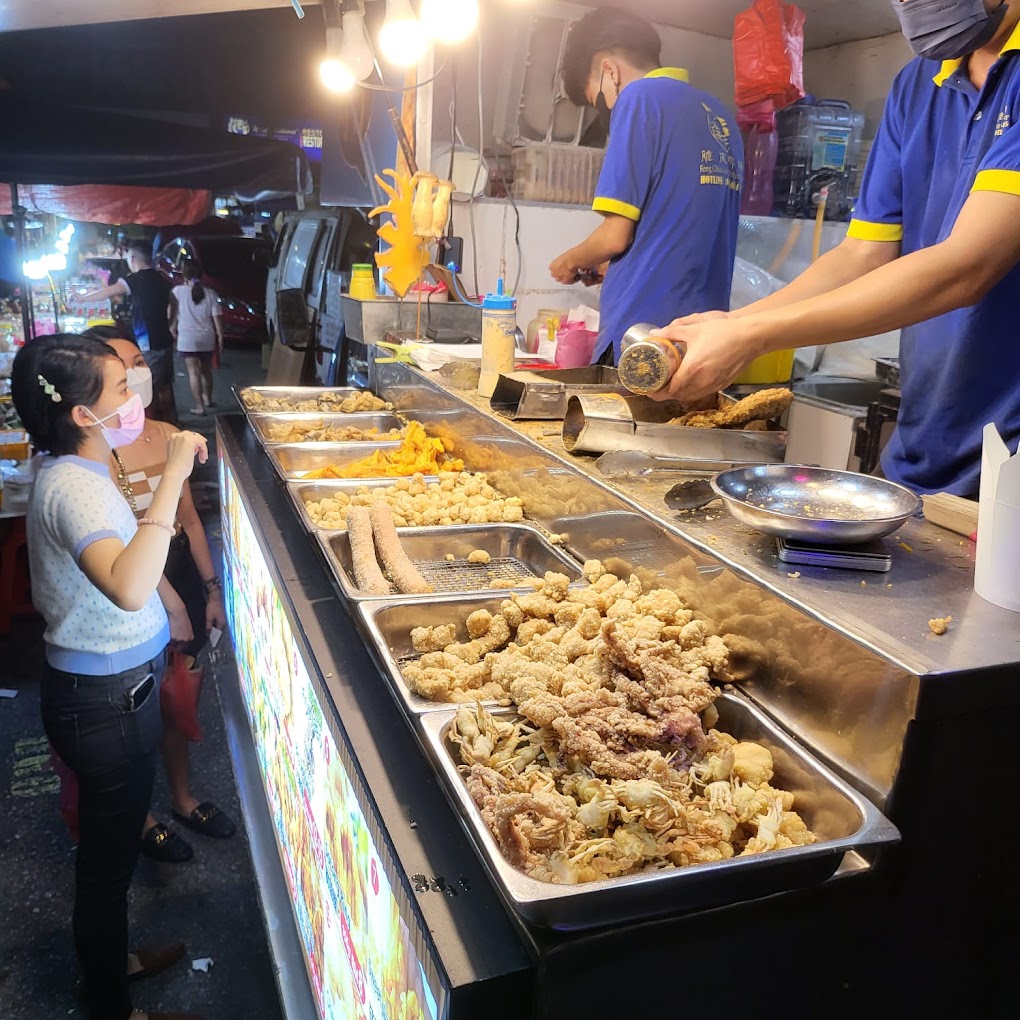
point(499, 338)
point(647, 362)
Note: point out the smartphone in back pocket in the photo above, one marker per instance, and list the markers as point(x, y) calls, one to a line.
point(137, 695)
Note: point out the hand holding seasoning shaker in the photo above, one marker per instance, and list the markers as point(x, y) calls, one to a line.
point(499, 325)
point(647, 362)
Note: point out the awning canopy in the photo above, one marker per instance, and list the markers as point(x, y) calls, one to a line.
point(54, 145)
point(107, 203)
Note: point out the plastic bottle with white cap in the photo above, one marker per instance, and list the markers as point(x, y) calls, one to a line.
point(499, 326)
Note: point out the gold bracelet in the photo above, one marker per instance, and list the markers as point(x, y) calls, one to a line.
point(158, 524)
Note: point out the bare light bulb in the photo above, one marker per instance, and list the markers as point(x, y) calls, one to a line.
point(336, 76)
point(402, 38)
point(333, 71)
point(356, 51)
point(449, 21)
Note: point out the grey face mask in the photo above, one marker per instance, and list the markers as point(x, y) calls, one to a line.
point(948, 29)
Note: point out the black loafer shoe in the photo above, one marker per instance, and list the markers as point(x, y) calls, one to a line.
point(209, 820)
point(162, 844)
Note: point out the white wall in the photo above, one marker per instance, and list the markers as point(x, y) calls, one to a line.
point(859, 72)
point(546, 231)
point(709, 60)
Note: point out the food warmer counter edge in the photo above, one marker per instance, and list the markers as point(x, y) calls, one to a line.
point(345, 779)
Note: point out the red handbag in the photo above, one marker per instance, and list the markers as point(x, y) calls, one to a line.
point(179, 693)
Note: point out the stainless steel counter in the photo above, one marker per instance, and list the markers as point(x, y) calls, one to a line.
point(845, 660)
point(932, 573)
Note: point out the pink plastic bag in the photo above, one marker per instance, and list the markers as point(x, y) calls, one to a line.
point(574, 346)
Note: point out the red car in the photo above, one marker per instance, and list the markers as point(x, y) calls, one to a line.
point(236, 269)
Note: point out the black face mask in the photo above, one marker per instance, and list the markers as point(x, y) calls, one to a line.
point(602, 110)
point(948, 29)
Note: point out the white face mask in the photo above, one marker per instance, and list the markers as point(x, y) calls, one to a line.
point(139, 380)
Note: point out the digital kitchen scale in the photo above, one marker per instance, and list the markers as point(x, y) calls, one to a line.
point(871, 556)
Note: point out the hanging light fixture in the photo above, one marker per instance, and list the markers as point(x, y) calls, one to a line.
point(402, 38)
point(356, 52)
point(349, 56)
point(449, 21)
point(334, 73)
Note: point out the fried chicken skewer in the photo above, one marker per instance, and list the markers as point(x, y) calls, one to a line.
point(368, 577)
point(391, 553)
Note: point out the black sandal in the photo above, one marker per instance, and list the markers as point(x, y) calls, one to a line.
point(161, 843)
point(208, 820)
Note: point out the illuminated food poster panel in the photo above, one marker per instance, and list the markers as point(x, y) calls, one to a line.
point(361, 958)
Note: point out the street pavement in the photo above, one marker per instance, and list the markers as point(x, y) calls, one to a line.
point(211, 903)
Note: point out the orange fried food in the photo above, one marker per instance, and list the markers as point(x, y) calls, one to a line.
point(417, 454)
point(761, 406)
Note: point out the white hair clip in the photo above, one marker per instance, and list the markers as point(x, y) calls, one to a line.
point(50, 390)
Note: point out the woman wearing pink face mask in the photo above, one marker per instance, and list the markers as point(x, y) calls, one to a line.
point(95, 575)
point(193, 600)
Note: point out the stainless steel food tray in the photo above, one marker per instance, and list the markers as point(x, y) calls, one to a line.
point(383, 421)
point(518, 552)
point(302, 492)
point(843, 819)
point(296, 393)
point(543, 393)
point(295, 460)
point(389, 622)
point(605, 423)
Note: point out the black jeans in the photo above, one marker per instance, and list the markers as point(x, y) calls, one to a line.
point(109, 741)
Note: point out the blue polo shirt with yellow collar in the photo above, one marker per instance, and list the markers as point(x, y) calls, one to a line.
point(673, 165)
point(940, 140)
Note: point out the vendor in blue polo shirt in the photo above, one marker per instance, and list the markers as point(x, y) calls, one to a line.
point(933, 249)
point(669, 192)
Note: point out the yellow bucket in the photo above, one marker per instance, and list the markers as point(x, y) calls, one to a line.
point(776, 367)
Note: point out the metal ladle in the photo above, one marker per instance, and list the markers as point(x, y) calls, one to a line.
point(692, 494)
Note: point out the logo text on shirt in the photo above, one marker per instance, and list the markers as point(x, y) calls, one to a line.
point(1003, 123)
point(721, 168)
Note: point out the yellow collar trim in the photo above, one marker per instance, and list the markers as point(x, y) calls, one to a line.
point(676, 73)
point(950, 67)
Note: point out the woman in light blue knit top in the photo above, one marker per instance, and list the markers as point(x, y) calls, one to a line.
point(95, 574)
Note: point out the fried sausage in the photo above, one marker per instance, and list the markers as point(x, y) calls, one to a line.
point(368, 578)
point(392, 555)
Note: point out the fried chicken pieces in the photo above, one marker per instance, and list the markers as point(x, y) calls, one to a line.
point(454, 498)
point(318, 431)
point(327, 400)
point(611, 765)
point(761, 406)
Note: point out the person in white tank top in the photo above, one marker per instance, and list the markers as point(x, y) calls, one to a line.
point(197, 325)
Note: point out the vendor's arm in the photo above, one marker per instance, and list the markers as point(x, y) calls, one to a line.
point(118, 289)
point(956, 273)
point(610, 239)
point(623, 187)
point(875, 234)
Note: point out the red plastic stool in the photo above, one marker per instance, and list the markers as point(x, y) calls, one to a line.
point(15, 583)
